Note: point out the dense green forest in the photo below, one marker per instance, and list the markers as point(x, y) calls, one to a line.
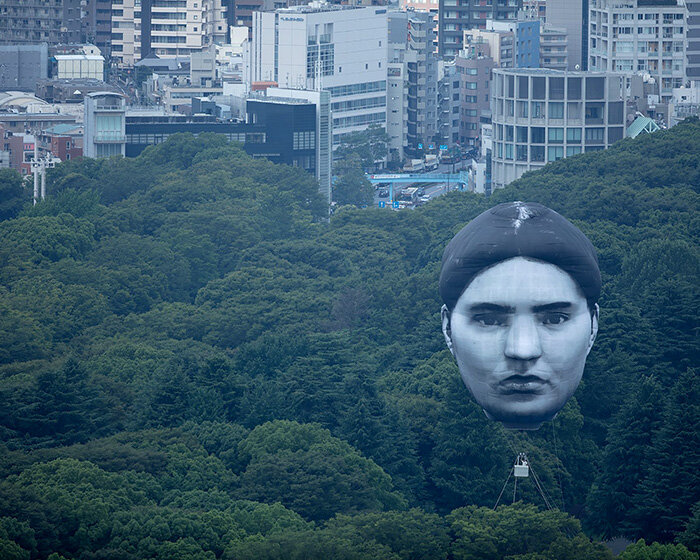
point(195, 363)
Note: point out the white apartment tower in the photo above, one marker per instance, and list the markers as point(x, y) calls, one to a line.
point(640, 36)
point(166, 28)
point(340, 49)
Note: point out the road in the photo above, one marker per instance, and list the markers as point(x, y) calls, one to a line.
point(433, 190)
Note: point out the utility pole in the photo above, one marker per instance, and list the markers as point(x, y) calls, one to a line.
point(39, 167)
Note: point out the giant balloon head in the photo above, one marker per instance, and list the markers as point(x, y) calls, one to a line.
point(520, 285)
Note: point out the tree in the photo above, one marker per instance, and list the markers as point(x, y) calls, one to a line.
point(656, 551)
point(351, 186)
point(370, 145)
point(12, 195)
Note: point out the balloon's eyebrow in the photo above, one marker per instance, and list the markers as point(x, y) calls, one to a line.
point(484, 307)
point(555, 306)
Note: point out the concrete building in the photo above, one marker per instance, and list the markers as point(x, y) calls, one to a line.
point(421, 81)
point(340, 49)
point(693, 37)
point(63, 141)
point(97, 25)
point(431, 6)
point(518, 41)
point(456, 16)
point(572, 15)
point(554, 53)
point(500, 44)
point(474, 67)
point(78, 66)
point(40, 21)
point(646, 36)
point(22, 66)
point(545, 115)
point(449, 105)
point(166, 28)
point(104, 124)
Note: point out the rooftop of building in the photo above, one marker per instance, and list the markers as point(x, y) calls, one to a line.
point(551, 72)
point(64, 129)
point(320, 7)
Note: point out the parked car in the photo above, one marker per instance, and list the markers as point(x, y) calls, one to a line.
point(383, 193)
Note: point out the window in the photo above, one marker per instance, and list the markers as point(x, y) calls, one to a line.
point(521, 134)
point(537, 135)
point(523, 109)
point(554, 153)
point(594, 112)
point(595, 135)
point(573, 135)
point(556, 110)
point(556, 88)
point(574, 88)
point(556, 135)
point(572, 150)
point(521, 153)
point(537, 109)
point(536, 153)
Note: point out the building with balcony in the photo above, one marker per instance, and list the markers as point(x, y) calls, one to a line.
point(166, 28)
point(474, 67)
point(554, 52)
point(541, 116)
point(449, 88)
point(432, 6)
point(40, 21)
point(104, 124)
point(457, 16)
point(639, 36)
point(340, 49)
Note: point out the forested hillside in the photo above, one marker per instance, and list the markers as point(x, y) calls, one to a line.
point(196, 364)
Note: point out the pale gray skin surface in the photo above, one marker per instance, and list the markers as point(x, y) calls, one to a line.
point(520, 334)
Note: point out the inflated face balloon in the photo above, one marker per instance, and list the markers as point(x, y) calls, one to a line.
point(520, 285)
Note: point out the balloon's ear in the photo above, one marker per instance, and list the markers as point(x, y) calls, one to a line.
point(446, 330)
point(594, 327)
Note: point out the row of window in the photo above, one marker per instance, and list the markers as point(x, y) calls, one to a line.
point(247, 137)
point(537, 153)
point(593, 112)
point(550, 87)
point(356, 104)
point(356, 89)
point(555, 135)
point(358, 120)
point(304, 140)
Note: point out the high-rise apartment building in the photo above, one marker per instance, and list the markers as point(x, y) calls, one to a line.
point(554, 52)
point(166, 28)
point(448, 105)
point(474, 67)
point(340, 49)
point(40, 21)
point(432, 6)
point(635, 36)
point(421, 82)
point(542, 115)
point(456, 16)
point(24, 22)
point(692, 70)
point(572, 15)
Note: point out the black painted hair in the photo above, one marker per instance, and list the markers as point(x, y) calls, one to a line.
point(518, 229)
